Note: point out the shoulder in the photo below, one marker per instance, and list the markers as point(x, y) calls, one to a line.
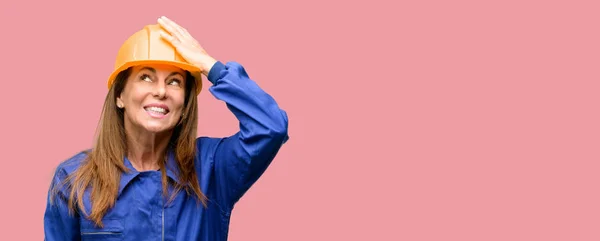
point(71, 164)
point(60, 183)
point(206, 144)
point(205, 151)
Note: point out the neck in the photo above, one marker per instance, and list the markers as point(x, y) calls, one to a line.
point(145, 150)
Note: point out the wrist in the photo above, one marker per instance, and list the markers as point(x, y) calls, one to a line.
point(207, 65)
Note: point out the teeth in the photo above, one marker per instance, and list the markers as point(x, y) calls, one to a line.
point(156, 109)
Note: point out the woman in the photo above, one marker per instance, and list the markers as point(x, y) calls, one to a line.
point(148, 177)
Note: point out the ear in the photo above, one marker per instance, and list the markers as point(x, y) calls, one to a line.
point(120, 103)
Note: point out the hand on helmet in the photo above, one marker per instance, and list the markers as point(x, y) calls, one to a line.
point(186, 45)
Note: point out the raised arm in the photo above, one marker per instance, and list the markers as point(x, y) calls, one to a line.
point(242, 158)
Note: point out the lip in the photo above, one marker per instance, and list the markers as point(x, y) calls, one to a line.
point(157, 115)
point(159, 106)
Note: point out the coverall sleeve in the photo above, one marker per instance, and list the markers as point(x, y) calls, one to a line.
point(58, 223)
point(240, 159)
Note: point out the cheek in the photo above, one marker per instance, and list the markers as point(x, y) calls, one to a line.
point(179, 101)
point(135, 97)
point(179, 106)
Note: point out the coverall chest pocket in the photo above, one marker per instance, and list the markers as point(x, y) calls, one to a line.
point(112, 230)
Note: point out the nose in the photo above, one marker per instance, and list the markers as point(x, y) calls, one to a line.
point(160, 90)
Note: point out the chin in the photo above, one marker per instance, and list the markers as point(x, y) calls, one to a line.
point(158, 128)
point(152, 125)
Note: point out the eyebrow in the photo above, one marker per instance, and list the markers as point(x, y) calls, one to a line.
point(154, 71)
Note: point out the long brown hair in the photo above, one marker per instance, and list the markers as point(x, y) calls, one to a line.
point(104, 163)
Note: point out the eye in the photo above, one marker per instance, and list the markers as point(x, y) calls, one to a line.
point(176, 82)
point(145, 77)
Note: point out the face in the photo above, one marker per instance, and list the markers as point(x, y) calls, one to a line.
point(153, 98)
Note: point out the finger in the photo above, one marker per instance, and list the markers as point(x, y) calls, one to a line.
point(180, 46)
point(178, 27)
point(174, 28)
point(170, 29)
point(166, 25)
point(170, 38)
point(181, 32)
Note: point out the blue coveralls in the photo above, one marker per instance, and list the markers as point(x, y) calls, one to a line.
point(226, 168)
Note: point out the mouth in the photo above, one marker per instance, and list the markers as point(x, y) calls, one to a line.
point(157, 110)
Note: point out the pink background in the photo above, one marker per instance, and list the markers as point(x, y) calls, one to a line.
point(436, 120)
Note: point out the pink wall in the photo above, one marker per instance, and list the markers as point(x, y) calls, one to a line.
point(420, 120)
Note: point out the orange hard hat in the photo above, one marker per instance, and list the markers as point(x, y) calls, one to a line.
point(146, 46)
